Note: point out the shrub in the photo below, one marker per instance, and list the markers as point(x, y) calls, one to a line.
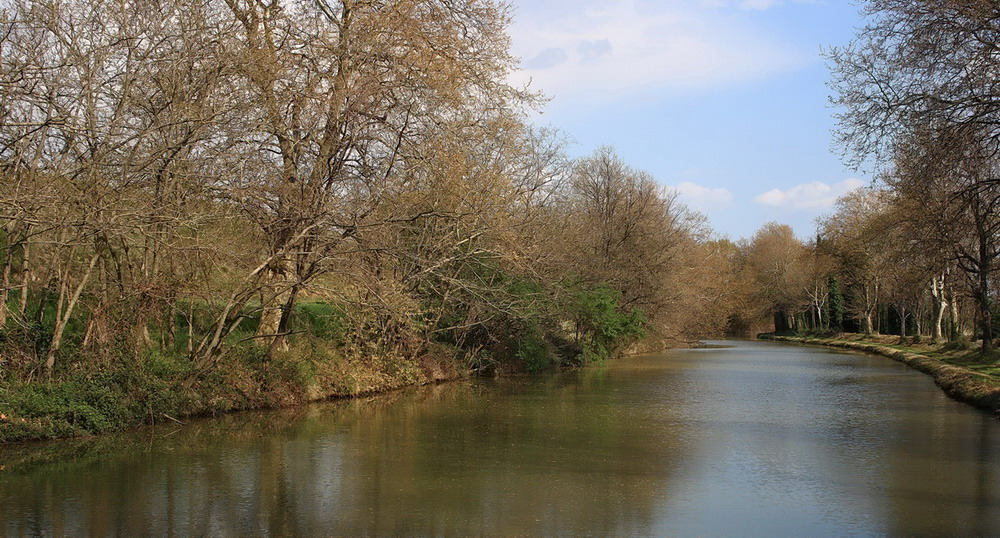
point(535, 351)
point(602, 323)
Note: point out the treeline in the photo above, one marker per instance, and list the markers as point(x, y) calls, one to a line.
point(917, 253)
point(219, 191)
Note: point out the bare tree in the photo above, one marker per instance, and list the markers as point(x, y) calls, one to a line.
point(942, 176)
point(916, 63)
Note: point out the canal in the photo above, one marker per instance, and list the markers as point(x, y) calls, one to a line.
point(736, 438)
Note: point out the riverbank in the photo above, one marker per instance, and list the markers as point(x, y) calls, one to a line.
point(163, 389)
point(960, 373)
point(160, 389)
point(163, 376)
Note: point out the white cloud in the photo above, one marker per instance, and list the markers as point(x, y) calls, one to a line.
point(606, 49)
point(703, 198)
point(815, 195)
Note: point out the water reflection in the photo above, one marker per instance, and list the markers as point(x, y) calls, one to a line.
point(756, 438)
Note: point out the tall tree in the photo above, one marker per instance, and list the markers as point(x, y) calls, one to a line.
point(919, 89)
point(916, 63)
point(622, 229)
point(338, 95)
point(944, 177)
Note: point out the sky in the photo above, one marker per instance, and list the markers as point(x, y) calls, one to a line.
point(724, 101)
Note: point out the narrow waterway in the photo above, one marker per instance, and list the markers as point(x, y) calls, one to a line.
point(750, 439)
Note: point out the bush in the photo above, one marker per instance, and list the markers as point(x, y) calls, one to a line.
point(602, 323)
point(535, 351)
point(81, 405)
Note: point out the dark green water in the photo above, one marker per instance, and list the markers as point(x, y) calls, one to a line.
point(755, 439)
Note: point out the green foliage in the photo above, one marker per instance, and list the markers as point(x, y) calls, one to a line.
point(128, 392)
point(602, 323)
point(525, 321)
point(480, 284)
point(492, 314)
point(98, 403)
point(535, 351)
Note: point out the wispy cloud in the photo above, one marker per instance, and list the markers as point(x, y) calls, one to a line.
point(815, 195)
point(703, 198)
point(601, 50)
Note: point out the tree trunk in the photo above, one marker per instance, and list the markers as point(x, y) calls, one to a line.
point(4, 291)
point(25, 276)
point(819, 314)
point(63, 318)
point(89, 331)
point(276, 307)
point(985, 311)
point(953, 319)
point(940, 306)
point(280, 342)
point(168, 336)
point(866, 323)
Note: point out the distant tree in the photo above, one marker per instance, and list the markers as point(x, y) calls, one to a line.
point(780, 266)
point(818, 265)
point(919, 96)
point(857, 236)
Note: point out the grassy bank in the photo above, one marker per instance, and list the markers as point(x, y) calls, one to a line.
point(963, 374)
point(97, 391)
point(158, 390)
point(146, 377)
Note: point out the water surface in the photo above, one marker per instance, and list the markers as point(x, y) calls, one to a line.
point(757, 438)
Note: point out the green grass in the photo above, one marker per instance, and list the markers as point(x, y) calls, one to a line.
point(322, 320)
point(976, 362)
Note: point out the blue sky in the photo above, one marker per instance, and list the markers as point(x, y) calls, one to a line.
point(723, 100)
